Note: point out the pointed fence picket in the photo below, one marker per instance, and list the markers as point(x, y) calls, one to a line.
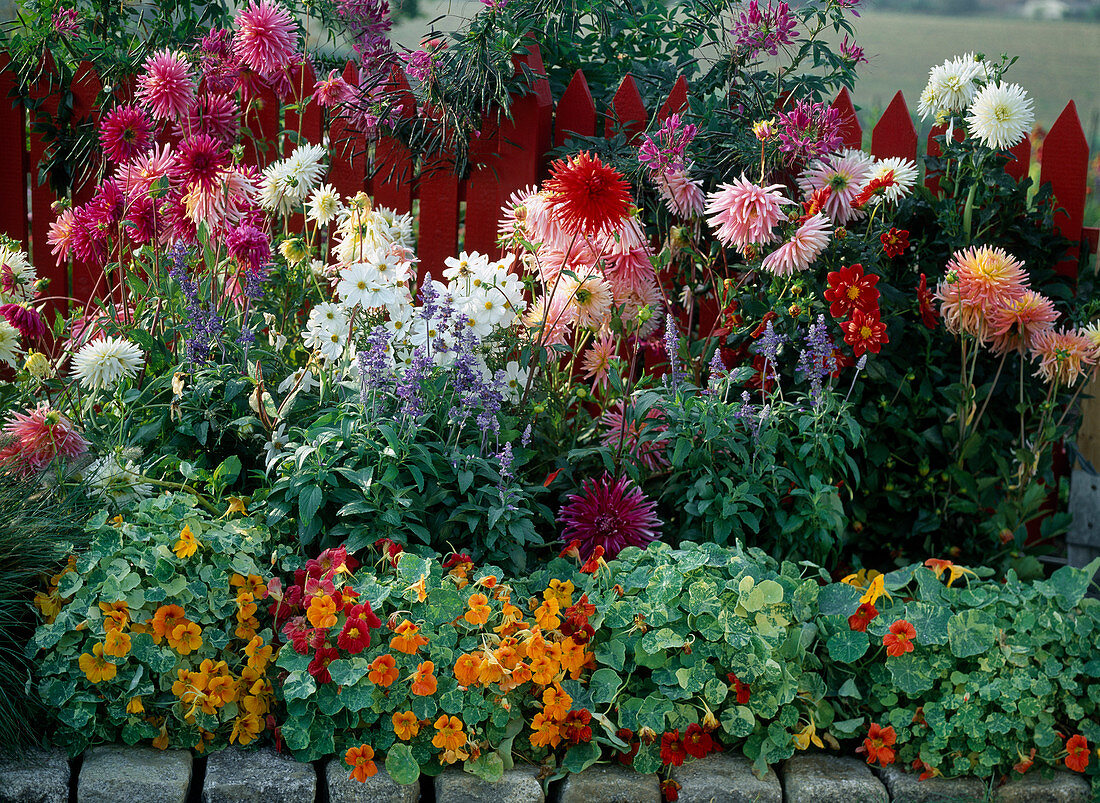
point(508, 154)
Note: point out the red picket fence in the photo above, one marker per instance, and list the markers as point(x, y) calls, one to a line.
point(506, 157)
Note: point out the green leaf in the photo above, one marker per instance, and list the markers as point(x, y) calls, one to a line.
point(912, 674)
point(604, 685)
point(970, 633)
point(929, 620)
point(489, 766)
point(581, 757)
point(612, 653)
point(738, 721)
point(1070, 583)
point(838, 598)
point(847, 646)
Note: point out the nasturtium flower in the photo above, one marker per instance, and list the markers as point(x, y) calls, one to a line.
point(478, 613)
point(258, 653)
point(807, 736)
point(546, 614)
point(741, 689)
point(697, 742)
point(449, 734)
point(954, 572)
point(899, 640)
point(862, 617)
point(187, 545)
point(562, 592)
point(408, 639)
point(490, 671)
point(577, 727)
point(424, 682)
point(419, 588)
point(318, 667)
point(1077, 753)
point(545, 732)
point(543, 670)
point(355, 636)
point(672, 749)
point(466, 669)
point(95, 667)
point(322, 611)
point(573, 657)
point(879, 744)
point(135, 706)
point(556, 702)
point(246, 728)
point(405, 724)
point(115, 614)
point(383, 671)
point(116, 643)
point(361, 760)
point(876, 589)
point(185, 638)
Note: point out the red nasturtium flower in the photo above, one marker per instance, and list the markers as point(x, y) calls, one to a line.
point(899, 640)
point(1025, 762)
point(864, 332)
point(928, 314)
point(862, 617)
point(672, 749)
point(1077, 753)
point(670, 790)
point(586, 196)
point(355, 637)
point(894, 242)
point(627, 735)
point(879, 744)
point(318, 667)
point(741, 689)
point(697, 742)
point(851, 289)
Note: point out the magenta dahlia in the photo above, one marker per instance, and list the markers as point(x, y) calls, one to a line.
point(199, 161)
point(166, 85)
point(27, 320)
point(212, 114)
point(266, 38)
point(608, 513)
point(249, 245)
point(125, 132)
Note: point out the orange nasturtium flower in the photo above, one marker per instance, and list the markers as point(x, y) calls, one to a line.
point(899, 640)
point(545, 732)
point(449, 734)
point(135, 706)
point(466, 669)
point(408, 639)
point(165, 619)
point(115, 614)
point(1077, 753)
point(246, 728)
point(361, 760)
point(187, 545)
point(116, 643)
point(423, 681)
point(939, 566)
point(383, 671)
point(253, 584)
point(419, 588)
point(556, 702)
point(322, 611)
point(185, 638)
point(405, 725)
point(95, 667)
point(479, 610)
point(546, 614)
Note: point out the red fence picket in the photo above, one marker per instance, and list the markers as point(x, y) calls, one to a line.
point(41, 198)
point(509, 154)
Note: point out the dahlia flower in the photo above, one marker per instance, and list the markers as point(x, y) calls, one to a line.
point(125, 132)
point(1015, 322)
point(266, 38)
point(1000, 116)
point(1062, 355)
point(215, 115)
point(38, 436)
point(166, 87)
point(896, 177)
point(9, 344)
point(199, 160)
point(249, 245)
point(102, 364)
point(743, 214)
point(802, 249)
point(27, 320)
point(843, 173)
point(586, 196)
point(683, 195)
point(591, 299)
point(979, 280)
point(626, 436)
point(951, 87)
point(597, 359)
point(612, 514)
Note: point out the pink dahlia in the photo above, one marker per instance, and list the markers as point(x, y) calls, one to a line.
point(60, 235)
point(249, 246)
point(199, 161)
point(1062, 355)
point(802, 249)
point(266, 38)
point(142, 222)
point(166, 86)
point(597, 360)
point(612, 514)
point(979, 280)
point(37, 437)
point(125, 132)
point(27, 320)
point(1015, 323)
point(683, 195)
point(138, 176)
point(638, 443)
point(843, 173)
point(514, 212)
point(629, 273)
point(212, 114)
point(743, 214)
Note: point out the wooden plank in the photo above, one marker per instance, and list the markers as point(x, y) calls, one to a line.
point(348, 148)
point(894, 135)
point(394, 169)
point(302, 116)
point(260, 127)
point(628, 114)
point(87, 280)
point(13, 181)
point(576, 111)
point(42, 198)
point(1065, 166)
point(483, 189)
point(677, 100)
point(1021, 159)
point(851, 132)
point(932, 177)
point(438, 236)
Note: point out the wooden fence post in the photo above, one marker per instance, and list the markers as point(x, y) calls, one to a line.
point(1065, 165)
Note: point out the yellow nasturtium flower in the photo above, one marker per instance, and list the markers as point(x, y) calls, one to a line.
point(187, 545)
point(95, 667)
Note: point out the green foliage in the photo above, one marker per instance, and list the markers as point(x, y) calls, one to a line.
point(131, 566)
point(997, 668)
point(42, 526)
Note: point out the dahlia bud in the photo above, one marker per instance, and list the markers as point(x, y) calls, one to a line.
point(38, 365)
point(797, 290)
point(294, 250)
point(794, 310)
point(840, 233)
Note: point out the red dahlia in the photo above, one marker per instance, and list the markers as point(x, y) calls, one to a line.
point(849, 289)
point(894, 242)
point(864, 332)
point(586, 196)
point(928, 314)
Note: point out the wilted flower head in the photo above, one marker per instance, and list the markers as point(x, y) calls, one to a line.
point(612, 514)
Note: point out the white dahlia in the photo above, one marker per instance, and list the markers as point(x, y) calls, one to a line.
point(1001, 115)
point(102, 364)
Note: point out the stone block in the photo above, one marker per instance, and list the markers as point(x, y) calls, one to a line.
point(38, 776)
point(1063, 787)
point(520, 785)
point(725, 778)
point(379, 788)
point(234, 775)
point(117, 774)
point(906, 787)
point(819, 778)
point(604, 783)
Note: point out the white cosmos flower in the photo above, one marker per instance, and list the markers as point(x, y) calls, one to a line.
point(512, 380)
point(1000, 116)
point(324, 204)
point(9, 344)
point(303, 378)
point(101, 364)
